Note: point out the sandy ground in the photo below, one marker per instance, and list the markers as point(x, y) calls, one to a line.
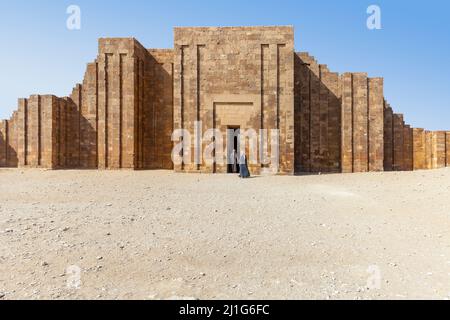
point(161, 235)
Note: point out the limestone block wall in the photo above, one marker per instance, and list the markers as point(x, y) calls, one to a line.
point(159, 109)
point(398, 142)
point(88, 126)
point(362, 142)
point(375, 124)
point(249, 69)
point(431, 149)
point(37, 131)
point(447, 148)
point(438, 149)
point(419, 149)
point(3, 143)
point(120, 103)
point(131, 99)
point(73, 118)
point(12, 156)
point(388, 138)
point(121, 116)
point(408, 162)
point(317, 116)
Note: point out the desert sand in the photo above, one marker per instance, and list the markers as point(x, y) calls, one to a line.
point(162, 235)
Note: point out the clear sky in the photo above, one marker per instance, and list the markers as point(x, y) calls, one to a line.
point(40, 55)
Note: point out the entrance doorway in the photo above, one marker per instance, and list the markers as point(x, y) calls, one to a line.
point(233, 143)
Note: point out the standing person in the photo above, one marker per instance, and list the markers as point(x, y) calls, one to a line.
point(235, 158)
point(243, 168)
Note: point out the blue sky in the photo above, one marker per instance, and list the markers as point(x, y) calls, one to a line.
point(40, 55)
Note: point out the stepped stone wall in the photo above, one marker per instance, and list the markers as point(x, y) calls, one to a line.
point(122, 115)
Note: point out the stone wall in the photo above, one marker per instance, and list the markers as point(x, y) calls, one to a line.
point(419, 149)
point(431, 149)
point(447, 148)
point(120, 103)
point(317, 116)
point(248, 70)
point(388, 138)
point(362, 123)
point(159, 111)
point(4, 143)
point(37, 129)
point(131, 99)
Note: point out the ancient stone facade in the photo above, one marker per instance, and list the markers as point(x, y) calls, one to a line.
point(123, 114)
point(236, 78)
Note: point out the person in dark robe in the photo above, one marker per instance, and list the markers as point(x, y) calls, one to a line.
point(243, 168)
point(235, 158)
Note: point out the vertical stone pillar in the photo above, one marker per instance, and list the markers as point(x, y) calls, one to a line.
point(3, 143)
point(323, 118)
point(12, 160)
point(419, 150)
point(376, 125)
point(334, 123)
point(438, 149)
point(398, 142)
point(360, 123)
point(285, 102)
point(388, 138)
point(120, 65)
point(315, 85)
point(75, 117)
point(34, 155)
point(48, 152)
point(305, 112)
point(429, 149)
point(407, 148)
point(347, 123)
point(88, 125)
point(22, 133)
point(447, 148)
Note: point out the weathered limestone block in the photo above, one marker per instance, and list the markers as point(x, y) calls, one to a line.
point(120, 103)
point(398, 142)
point(419, 150)
point(347, 123)
point(376, 124)
point(89, 112)
point(34, 130)
point(74, 119)
point(315, 85)
point(37, 131)
point(62, 131)
point(324, 81)
point(438, 149)
point(22, 132)
point(303, 130)
point(334, 123)
point(407, 148)
point(158, 119)
point(388, 138)
point(360, 123)
point(429, 149)
point(447, 148)
point(3, 143)
point(12, 147)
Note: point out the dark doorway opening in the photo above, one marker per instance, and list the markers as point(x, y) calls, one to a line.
point(233, 134)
